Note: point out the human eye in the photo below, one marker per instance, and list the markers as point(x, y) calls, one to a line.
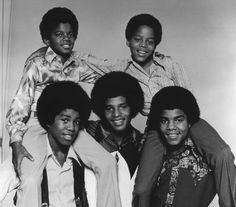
point(108, 108)
point(71, 35)
point(150, 42)
point(163, 121)
point(123, 106)
point(137, 38)
point(59, 34)
point(65, 120)
point(179, 120)
point(77, 122)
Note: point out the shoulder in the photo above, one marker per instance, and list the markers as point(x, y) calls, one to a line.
point(34, 61)
point(167, 62)
point(92, 126)
point(161, 57)
point(136, 131)
point(138, 137)
point(40, 53)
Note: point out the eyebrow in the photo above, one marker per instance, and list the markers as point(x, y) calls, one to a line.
point(176, 117)
point(64, 115)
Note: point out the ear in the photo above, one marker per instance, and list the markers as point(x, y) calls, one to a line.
point(46, 42)
point(128, 43)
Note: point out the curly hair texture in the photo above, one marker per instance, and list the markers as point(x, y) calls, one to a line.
point(59, 96)
point(116, 84)
point(143, 19)
point(173, 97)
point(54, 17)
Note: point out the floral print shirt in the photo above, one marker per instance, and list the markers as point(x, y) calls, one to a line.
point(185, 180)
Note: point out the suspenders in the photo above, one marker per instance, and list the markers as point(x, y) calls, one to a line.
point(79, 186)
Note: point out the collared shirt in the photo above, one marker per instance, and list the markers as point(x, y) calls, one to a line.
point(60, 179)
point(42, 68)
point(127, 155)
point(164, 71)
point(186, 180)
point(130, 147)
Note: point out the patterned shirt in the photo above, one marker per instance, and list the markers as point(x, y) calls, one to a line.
point(185, 180)
point(42, 68)
point(163, 72)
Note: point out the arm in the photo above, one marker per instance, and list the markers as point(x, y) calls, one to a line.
point(220, 158)
point(149, 168)
point(178, 73)
point(9, 181)
point(103, 165)
point(19, 113)
point(213, 147)
point(103, 66)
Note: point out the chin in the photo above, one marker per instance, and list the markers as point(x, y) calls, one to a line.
point(119, 129)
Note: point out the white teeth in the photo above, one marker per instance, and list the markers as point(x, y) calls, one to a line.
point(68, 136)
point(66, 46)
point(142, 52)
point(118, 122)
point(172, 135)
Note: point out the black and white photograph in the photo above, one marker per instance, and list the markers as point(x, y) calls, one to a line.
point(118, 103)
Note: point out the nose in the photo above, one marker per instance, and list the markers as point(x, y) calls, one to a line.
point(66, 36)
point(70, 126)
point(116, 112)
point(171, 125)
point(143, 43)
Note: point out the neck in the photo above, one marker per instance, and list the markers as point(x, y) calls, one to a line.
point(58, 150)
point(64, 58)
point(118, 138)
point(146, 65)
point(117, 135)
point(175, 149)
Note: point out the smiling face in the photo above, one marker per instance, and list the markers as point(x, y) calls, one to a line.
point(65, 129)
point(62, 40)
point(174, 126)
point(117, 113)
point(142, 46)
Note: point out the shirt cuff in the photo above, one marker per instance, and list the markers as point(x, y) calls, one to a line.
point(16, 138)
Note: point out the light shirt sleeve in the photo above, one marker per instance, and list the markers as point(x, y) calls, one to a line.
point(20, 107)
point(103, 66)
point(180, 76)
point(175, 71)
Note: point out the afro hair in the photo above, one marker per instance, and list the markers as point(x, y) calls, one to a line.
point(116, 84)
point(173, 97)
point(53, 18)
point(144, 19)
point(59, 96)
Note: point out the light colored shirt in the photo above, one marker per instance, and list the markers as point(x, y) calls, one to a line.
point(60, 179)
point(163, 72)
point(127, 156)
point(42, 68)
point(125, 181)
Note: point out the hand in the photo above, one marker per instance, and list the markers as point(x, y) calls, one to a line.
point(18, 153)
